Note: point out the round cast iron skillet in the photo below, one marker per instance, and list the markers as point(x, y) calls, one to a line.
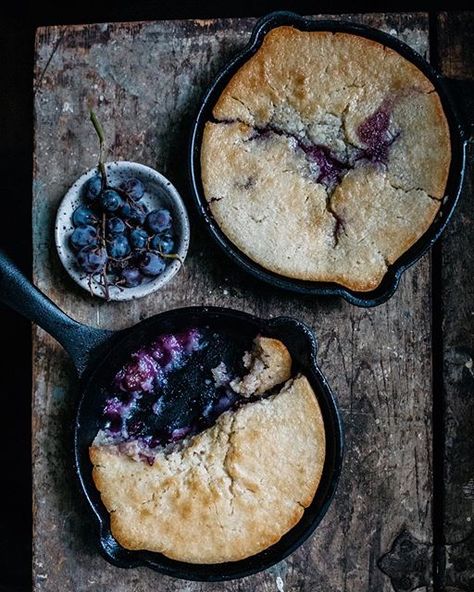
point(456, 174)
point(97, 355)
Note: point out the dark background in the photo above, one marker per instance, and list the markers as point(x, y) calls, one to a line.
point(17, 29)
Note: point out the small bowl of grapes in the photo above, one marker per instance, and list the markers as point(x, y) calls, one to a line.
point(122, 230)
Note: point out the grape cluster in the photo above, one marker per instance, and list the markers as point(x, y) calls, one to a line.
point(116, 238)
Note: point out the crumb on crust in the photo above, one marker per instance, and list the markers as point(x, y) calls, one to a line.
point(268, 364)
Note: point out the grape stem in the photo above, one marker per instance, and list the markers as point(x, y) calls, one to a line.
point(121, 259)
point(169, 256)
point(131, 201)
point(102, 235)
point(89, 281)
point(105, 284)
point(100, 134)
point(105, 271)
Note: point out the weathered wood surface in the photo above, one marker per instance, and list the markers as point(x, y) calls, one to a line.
point(145, 81)
point(456, 37)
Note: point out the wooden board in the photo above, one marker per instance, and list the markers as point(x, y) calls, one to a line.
point(145, 80)
point(456, 37)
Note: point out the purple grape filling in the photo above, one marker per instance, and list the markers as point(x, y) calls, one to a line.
point(115, 410)
point(331, 170)
point(138, 375)
point(180, 433)
point(224, 403)
point(141, 378)
point(375, 133)
point(172, 388)
point(151, 364)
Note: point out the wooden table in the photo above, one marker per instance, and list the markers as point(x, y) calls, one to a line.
point(403, 372)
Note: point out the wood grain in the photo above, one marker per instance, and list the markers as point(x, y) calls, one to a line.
point(144, 80)
point(456, 38)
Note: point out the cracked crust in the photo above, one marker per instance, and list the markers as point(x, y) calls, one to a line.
point(230, 491)
point(268, 364)
point(318, 88)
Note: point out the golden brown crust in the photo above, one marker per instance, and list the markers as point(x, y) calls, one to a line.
point(268, 365)
point(229, 492)
point(318, 88)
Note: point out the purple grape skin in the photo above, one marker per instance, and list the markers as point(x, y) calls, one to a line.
point(92, 259)
point(113, 407)
point(83, 236)
point(92, 189)
point(163, 244)
point(115, 226)
point(110, 201)
point(152, 264)
point(139, 374)
point(84, 216)
point(119, 247)
point(133, 187)
point(132, 277)
point(158, 221)
point(179, 433)
point(139, 238)
point(126, 210)
point(133, 214)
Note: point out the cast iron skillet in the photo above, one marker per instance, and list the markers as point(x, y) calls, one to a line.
point(456, 174)
point(97, 354)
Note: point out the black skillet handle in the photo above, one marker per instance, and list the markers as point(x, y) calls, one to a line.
point(17, 292)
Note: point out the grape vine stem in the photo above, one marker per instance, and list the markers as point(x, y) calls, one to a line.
point(100, 134)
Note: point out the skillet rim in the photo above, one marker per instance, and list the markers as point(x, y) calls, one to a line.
point(454, 184)
point(121, 557)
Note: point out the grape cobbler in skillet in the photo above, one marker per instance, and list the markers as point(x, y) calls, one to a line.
point(327, 157)
point(207, 454)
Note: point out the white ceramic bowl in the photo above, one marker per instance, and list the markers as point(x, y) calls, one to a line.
point(159, 193)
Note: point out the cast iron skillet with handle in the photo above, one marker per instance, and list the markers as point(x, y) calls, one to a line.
point(97, 355)
point(459, 138)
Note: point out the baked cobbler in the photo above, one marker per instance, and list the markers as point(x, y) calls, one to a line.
point(230, 482)
point(327, 157)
